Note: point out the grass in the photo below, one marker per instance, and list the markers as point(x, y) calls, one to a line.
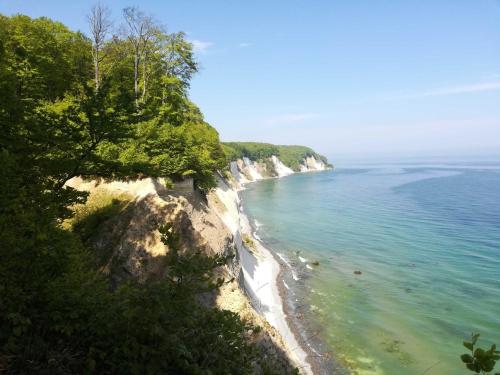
point(101, 206)
point(248, 242)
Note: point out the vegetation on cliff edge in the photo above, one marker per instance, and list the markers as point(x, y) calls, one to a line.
point(110, 106)
point(291, 156)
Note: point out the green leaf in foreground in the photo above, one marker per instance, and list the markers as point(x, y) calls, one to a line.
point(480, 361)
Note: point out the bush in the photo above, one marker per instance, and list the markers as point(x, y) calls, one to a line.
point(76, 324)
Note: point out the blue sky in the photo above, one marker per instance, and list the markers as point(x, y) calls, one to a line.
point(358, 79)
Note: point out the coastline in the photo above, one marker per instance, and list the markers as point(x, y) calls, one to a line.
point(258, 270)
point(318, 358)
point(260, 274)
point(263, 282)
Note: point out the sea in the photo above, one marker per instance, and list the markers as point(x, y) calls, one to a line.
point(387, 268)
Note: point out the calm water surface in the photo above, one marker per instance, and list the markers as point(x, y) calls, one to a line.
point(427, 242)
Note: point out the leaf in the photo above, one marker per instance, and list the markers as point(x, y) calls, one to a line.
point(471, 366)
point(467, 358)
point(488, 366)
point(479, 353)
point(469, 345)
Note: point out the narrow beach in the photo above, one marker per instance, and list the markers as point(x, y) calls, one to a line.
point(261, 283)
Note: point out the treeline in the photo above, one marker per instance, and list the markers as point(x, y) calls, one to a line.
point(251, 150)
point(291, 156)
point(113, 105)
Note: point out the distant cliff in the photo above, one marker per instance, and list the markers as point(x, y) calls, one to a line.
point(252, 161)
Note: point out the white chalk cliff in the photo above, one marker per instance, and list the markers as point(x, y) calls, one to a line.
point(310, 163)
point(280, 168)
point(245, 170)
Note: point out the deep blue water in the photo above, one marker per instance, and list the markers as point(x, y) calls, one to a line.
point(426, 241)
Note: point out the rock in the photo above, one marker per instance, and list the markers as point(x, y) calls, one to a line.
point(358, 272)
point(315, 263)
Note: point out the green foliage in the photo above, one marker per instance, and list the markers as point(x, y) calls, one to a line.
point(249, 242)
point(52, 112)
point(58, 313)
point(291, 156)
point(46, 59)
point(76, 324)
point(480, 361)
point(251, 150)
point(191, 149)
point(100, 206)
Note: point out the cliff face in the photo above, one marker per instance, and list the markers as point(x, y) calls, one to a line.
point(132, 238)
point(245, 170)
point(211, 222)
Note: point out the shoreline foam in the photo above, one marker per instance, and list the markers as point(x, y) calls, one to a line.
point(319, 360)
point(261, 274)
point(262, 283)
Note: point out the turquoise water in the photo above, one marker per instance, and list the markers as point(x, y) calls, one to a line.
point(427, 243)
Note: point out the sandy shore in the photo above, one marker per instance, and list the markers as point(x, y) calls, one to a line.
point(269, 281)
point(261, 274)
point(261, 282)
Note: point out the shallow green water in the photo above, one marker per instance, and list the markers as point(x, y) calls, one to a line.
point(427, 241)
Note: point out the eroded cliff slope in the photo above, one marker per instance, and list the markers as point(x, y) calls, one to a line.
point(132, 248)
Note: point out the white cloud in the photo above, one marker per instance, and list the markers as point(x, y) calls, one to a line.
point(290, 118)
point(243, 45)
point(200, 46)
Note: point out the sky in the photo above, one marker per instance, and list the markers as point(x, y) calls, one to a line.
point(352, 79)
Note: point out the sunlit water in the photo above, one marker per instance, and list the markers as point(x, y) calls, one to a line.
point(427, 243)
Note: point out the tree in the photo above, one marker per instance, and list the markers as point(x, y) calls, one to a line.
point(99, 25)
point(141, 28)
point(178, 57)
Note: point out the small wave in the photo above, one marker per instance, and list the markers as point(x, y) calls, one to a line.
point(257, 223)
point(284, 260)
point(256, 236)
point(294, 275)
point(314, 350)
point(303, 260)
point(309, 267)
point(285, 284)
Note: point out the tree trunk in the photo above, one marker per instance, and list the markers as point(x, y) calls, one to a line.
point(96, 71)
point(144, 78)
point(136, 78)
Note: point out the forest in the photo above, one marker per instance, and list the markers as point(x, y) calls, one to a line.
point(290, 155)
point(113, 104)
